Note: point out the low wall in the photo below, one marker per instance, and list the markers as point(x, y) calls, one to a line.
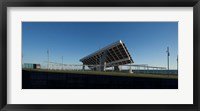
point(52, 80)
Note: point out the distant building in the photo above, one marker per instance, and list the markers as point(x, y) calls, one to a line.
point(112, 55)
point(31, 66)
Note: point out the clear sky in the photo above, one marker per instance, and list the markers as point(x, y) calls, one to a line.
point(147, 42)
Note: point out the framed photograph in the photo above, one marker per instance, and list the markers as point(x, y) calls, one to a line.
point(99, 55)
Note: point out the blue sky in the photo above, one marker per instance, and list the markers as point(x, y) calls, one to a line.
point(147, 42)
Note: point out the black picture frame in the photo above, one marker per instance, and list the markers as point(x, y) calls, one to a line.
point(99, 3)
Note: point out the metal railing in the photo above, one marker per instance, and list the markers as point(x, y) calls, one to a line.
point(131, 68)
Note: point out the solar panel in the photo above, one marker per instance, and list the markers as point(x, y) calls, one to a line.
point(114, 54)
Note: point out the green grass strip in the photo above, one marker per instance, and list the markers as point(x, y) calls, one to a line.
point(164, 76)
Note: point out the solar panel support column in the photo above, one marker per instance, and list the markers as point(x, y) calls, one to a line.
point(130, 70)
point(103, 61)
point(120, 68)
point(116, 68)
point(83, 67)
point(104, 68)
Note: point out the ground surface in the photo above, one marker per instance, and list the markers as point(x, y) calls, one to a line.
point(109, 73)
point(45, 79)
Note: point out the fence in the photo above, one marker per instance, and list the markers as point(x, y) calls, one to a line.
point(131, 68)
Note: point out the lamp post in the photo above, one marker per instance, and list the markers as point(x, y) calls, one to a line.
point(168, 54)
point(177, 63)
point(62, 62)
point(22, 61)
point(48, 59)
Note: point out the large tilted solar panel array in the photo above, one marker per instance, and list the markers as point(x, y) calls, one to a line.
point(116, 54)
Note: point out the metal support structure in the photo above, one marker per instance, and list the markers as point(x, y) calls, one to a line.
point(130, 70)
point(96, 61)
point(48, 59)
point(116, 68)
point(120, 68)
point(83, 67)
point(22, 61)
point(112, 68)
point(62, 63)
point(102, 61)
point(168, 54)
point(104, 68)
point(114, 54)
point(177, 63)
